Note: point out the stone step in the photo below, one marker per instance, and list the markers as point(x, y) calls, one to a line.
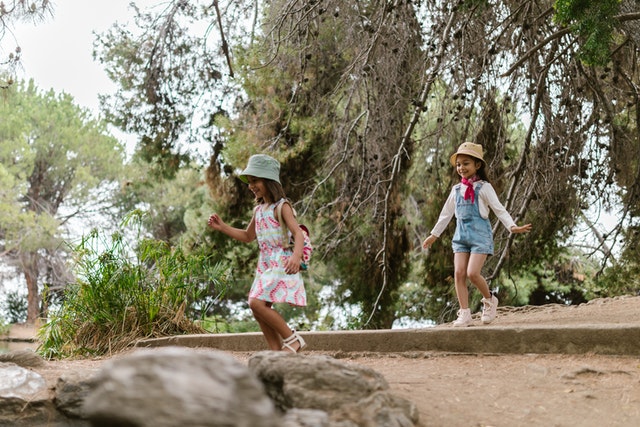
point(618, 339)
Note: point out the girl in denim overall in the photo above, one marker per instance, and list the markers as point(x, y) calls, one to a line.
point(472, 242)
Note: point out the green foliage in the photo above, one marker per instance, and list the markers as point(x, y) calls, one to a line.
point(54, 157)
point(471, 5)
point(593, 21)
point(623, 278)
point(220, 324)
point(568, 278)
point(4, 326)
point(166, 200)
point(168, 80)
point(15, 307)
point(123, 294)
point(51, 153)
point(413, 303)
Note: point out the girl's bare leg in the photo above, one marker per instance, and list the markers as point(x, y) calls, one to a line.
point(273, 326)
point(460, 263)
point(474, 268)
point(274, 341)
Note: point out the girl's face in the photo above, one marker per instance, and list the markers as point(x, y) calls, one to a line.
point(467, 166)
point(257, 187)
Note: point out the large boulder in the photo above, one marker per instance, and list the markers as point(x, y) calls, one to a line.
point(352, 395)
point(176, 386)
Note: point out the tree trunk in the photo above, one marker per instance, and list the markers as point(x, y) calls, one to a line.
point(30, 269)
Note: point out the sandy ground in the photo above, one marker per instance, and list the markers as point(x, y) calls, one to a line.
point(504, 390)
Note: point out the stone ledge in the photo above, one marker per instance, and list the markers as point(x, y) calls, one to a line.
point(596, 339)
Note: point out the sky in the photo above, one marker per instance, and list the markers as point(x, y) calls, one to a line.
point(57, 53)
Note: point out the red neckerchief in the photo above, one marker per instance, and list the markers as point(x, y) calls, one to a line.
point(469, 193)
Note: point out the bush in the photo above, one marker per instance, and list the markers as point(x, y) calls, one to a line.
point(124, 294)
point(15, 307)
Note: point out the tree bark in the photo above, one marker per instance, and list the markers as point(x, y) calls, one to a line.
point(29, 262)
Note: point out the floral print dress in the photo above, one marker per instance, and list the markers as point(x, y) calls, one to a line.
point(271, 283)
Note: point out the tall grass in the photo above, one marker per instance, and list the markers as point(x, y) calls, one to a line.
point(124, 293)
point(4, 326)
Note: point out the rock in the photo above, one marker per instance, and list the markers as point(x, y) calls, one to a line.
point(314, 382)
point(380, 409)
point(175, 386)
point(352, 395)
point(71, 392)
point(24, 358)
point(20, 383)
point(306, 418)
point(25, 400)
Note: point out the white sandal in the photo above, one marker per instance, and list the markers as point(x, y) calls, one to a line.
point(287, 343)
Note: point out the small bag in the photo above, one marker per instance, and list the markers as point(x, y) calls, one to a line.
point(307, 248)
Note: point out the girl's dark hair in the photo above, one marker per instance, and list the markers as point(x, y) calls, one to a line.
point(482, 172)
point(275, 190)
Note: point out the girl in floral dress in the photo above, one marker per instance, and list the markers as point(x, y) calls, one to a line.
point(277, 278)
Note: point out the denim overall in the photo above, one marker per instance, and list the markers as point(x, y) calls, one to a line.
point(473, 233)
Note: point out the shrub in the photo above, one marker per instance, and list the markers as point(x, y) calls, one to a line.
point(124, 294)
point(15, 307)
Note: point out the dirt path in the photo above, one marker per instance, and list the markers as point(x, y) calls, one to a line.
point(516, 390)
point(506, 390)
point(524, 390)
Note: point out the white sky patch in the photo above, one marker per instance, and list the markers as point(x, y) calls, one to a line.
point(57, 53)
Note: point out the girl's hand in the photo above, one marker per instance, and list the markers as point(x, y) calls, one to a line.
point(521, 229)
point(215, 222)
point(292, 265)
point(429, 241)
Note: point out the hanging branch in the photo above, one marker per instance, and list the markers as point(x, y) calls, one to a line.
point(400, 152)
point(622, 18)
point(225, 46)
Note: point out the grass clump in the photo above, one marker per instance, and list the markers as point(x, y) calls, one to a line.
point(123, 294)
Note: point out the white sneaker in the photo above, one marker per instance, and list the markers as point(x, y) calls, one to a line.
point(464, 317)
point(489, 307)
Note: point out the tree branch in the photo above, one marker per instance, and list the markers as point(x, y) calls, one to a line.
point(225, 46)
point(558, 34)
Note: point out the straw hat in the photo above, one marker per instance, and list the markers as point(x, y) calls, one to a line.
point(470, 149)
point(261, 166)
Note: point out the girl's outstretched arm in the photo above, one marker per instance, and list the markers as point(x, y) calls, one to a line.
point(521, 228)
point(246, 236)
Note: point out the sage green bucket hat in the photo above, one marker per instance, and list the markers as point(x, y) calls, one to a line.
point(261, 166)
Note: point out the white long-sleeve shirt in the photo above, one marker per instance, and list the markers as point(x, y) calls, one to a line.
point(487, 198)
